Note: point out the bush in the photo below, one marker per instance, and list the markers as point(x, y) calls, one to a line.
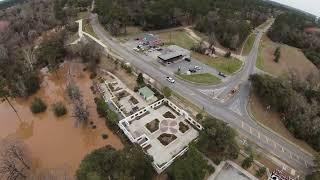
point(166, 92)
point(247, 162)
point(59, 109)
point(228, 54)
point(38, 105)
point(261, 172)
point(199, 116)
point(93, 75)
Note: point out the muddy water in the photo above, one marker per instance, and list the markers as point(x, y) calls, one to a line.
point(56, 142)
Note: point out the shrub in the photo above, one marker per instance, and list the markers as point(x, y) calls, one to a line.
point(59, 109)
point(93, 75)
point(104, 136)
point(228, 54)
point(247, 162)
point(199, 116)
point(261, 172)
point(166, 92)
point(38, 105)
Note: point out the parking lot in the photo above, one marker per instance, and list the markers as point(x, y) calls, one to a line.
point(183, 65)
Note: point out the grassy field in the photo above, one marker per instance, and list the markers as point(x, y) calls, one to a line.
point(83, 15)
point(225, 65)
point(249, 44)
point(273, 121)
point(178, 37)
point(292, 59)
point(88, 29)
point(203, 78)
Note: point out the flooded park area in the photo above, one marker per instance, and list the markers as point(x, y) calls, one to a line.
point(55, 142)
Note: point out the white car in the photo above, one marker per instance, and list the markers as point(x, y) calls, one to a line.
point(170, 79)
point(197, 67)
point(136, 49)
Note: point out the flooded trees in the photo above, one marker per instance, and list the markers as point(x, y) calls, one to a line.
point(80, 112)
point(14, 160)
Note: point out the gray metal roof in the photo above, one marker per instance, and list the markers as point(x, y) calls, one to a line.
point(169, 55)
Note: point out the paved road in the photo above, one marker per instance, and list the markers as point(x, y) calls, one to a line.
point(238, 119)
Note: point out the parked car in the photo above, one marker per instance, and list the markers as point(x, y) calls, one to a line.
point(197, 67)
point(170, 79)
point(222, 74)
point(193, 70)
point(187, 59)
point(136, 49)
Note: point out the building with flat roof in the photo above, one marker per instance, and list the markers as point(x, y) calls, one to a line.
point(146, 93)
point(173, 53)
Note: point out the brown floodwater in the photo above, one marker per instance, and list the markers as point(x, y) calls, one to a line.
point(56, 142)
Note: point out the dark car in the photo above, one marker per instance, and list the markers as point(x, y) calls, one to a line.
point(187, 59)
point(221, 74)
point(192, 70)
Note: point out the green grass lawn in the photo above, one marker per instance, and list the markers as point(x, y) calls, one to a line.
point(225, 65)
point(178, 37)
point(88, 29)
point(203, 78)
point(249, 44)
point(259, 63)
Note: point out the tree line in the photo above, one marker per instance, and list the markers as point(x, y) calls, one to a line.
point(297, 101)
point(291, 28)
point(231, 21)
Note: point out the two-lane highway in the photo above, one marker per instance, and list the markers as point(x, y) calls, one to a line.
point(266, 139)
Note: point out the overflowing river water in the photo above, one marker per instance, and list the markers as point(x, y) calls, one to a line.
point(56, 142)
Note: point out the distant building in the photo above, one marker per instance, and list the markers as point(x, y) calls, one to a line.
point(146, 93)
point(173, 53)
point(151, 40)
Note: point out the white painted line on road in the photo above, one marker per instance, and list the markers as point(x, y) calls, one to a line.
point(274, 144)
point(266, 139)
point(306, 163)
point(242, 124)
point(282, 149)
point(250, 130)
point(259, 135)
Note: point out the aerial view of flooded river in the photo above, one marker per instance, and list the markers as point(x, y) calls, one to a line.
point(56, 142)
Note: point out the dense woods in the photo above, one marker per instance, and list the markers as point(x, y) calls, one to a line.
point(108, 163)
point(298, 30)
point(32, 36)
point(297, 101)
point(231, 21)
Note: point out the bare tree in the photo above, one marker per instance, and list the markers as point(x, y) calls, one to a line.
point(29, 56)
point(81, 113)
point(14, 160)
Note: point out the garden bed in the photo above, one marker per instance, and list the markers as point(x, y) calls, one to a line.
point(169, 114)
point(153, 125)
point(166, 139)
point(183, 127)
point(133, 100)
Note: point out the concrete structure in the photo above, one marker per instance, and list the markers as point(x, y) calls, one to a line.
point(135, 128)
point(173, 53)
point(146, 93)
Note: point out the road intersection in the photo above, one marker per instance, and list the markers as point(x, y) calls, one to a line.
point(233, 110)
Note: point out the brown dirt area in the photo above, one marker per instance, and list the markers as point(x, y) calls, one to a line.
point(128, 79)
point(272, 120)
point(292, 59)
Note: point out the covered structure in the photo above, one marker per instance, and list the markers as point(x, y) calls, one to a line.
point(173, 53)
point(146, 93)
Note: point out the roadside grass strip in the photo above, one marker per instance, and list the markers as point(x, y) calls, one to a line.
point(225, 65)
point(203, 78)
point(178, 37)
point(249, 44)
